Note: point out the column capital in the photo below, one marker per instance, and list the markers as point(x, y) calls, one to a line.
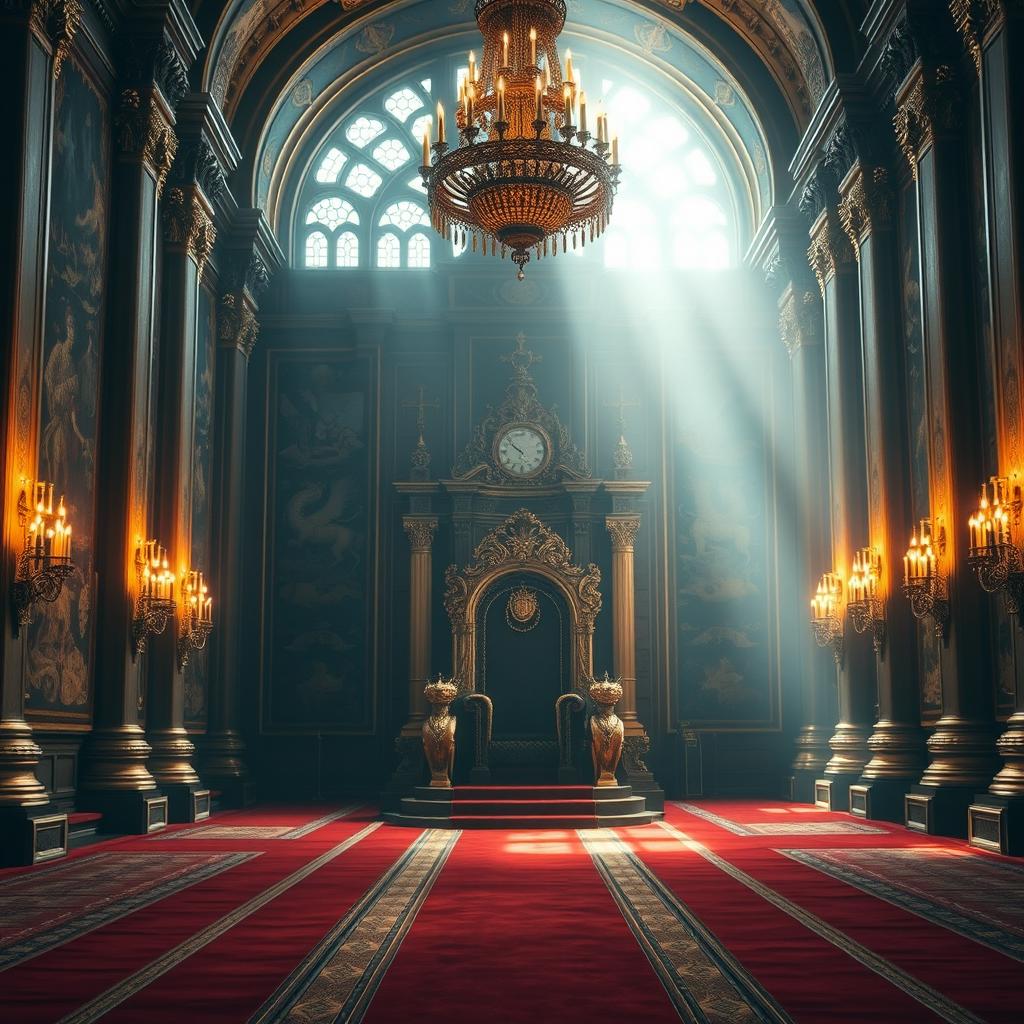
point(927, 108)
point(188, 226)
point(800, 319)
point(420, 530)
point(623, 530)
point(975, 20)
point(830, 250)
point(56, 23)
point(866, 204)
point(144, 132)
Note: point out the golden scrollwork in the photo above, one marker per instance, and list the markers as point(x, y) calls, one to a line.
point(623, 531)
point(144, 131)
point(187, 224)
point(866, 205)
point(830, 248)
point(57, 21)
point(799, 320)
point(929, 109)
point(973, 20)
point(606, 730)
point(521, 543)
point(439, 731)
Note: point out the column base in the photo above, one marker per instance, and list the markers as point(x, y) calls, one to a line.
point(800, 786)
point(32, 835)
point(996, 823)
point(878, 799)
point(832, 791)
point(186, 802)
point(937, 810)
point(132, 812)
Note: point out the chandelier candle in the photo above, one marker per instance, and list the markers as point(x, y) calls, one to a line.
point(522, 176)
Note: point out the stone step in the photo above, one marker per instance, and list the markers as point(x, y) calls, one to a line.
point(524, 793)
point(517, 822)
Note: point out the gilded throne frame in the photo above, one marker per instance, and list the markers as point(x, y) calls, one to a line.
point(522, 544)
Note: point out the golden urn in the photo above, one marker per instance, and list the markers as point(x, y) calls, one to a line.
point(606, 730)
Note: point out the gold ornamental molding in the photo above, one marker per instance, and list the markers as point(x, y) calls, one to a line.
point(623, 531)
point(57, 21)
point(799, 319)
point(237, 326)
point(830, 248)
point(144, 132)
point(187, 224)
point(866, 205)
point(974, 19)
point(521, 544)
point(928, 111)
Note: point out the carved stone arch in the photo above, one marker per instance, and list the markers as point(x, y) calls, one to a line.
point(522, 544)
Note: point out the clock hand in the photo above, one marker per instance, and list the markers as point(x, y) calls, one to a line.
point(517, 448)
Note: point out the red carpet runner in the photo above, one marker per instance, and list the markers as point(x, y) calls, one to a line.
point(725, 912)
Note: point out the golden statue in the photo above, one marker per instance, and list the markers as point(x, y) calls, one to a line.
point(439, 731)
point(606, 730)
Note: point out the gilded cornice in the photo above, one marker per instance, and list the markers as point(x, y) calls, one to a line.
point(799, 320)
point(830, 248)
point(928, 109)
point(143, 132)
point(57, 21)
point(187, 223)
point(866, 204)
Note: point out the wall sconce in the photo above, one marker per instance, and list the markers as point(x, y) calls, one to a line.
point(154, 603)
point(45, 560)
point(827, 614)
point(863, 605)
point(924, 581)
point(993, 555)
point(197, 617)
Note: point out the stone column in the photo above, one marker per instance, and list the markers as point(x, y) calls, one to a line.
point(420, 530)
point(114, 778)
point(196, 182)
point(929, 102)
point(245, 260)
point(831, 258)
point(34, 40)
point(994, 36)
point(897, 741)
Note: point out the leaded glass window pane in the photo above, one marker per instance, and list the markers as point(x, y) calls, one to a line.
point(316, 250)
point(392, 154)
point(348, 250)
point(389, 251)
point(402, 103)
point(331, 165)
point(419, 251)
point(363, 180)
point(404, 214)
point(332, 212)
point(363, 130)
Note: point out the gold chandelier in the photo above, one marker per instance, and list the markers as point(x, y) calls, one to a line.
point(511, 183)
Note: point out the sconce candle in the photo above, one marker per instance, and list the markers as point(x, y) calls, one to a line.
point(924, 582)
point(827, 614)
point(197, 620)
point(45, 559)
point(154, 603)
point(993, 553)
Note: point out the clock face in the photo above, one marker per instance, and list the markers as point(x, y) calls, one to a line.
point(522, 451)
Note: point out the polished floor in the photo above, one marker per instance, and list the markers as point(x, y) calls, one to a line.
point(723, 912)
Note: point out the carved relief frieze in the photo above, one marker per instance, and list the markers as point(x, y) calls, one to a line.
point(187, 224)
point(57, 21)
point(929, 109)
point(866, 205)
point(143, 132)
point(799, 320)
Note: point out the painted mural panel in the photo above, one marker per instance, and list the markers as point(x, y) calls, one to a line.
point(60, 642)
point(197, 670)
point(726, 658)
point(321, 564)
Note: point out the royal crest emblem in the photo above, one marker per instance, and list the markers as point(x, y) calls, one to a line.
point(523, 610)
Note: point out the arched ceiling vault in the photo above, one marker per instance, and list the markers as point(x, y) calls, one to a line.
point(787, 36)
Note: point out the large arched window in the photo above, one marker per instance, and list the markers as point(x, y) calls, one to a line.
point(680, 204)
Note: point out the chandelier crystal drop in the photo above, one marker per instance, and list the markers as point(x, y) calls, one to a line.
point(527, 175)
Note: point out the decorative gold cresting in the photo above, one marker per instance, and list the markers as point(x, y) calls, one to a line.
point(521, 544)
point(510, 183)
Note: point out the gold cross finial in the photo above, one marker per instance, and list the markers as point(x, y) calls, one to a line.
point(522, 355)
point(622, 405)
point(421, 406)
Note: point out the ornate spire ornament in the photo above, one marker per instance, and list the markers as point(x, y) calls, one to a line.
point(511, 184)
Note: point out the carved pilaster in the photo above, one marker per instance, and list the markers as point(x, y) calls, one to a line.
point(57, 21)
point(929, 108)
point(143, 132)
point(187, 224)
point(830, 249)
point(623, 531)
point(866, 205)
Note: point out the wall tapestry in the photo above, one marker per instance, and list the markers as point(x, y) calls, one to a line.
point(319, 668)
point(60, 642)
